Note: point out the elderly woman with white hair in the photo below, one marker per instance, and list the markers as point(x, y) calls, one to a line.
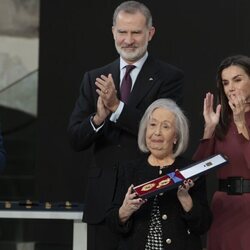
point(172, 220)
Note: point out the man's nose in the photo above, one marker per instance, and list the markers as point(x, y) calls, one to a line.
point(129, 39)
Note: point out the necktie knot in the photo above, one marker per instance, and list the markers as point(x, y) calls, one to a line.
point(129, 68)
point(126, 84)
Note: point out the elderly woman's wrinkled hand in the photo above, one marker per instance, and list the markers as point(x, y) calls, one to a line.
point(183, 195)
point(130, 204)
point(187, 184)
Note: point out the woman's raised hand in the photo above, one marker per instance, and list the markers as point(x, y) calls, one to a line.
point(211, 117)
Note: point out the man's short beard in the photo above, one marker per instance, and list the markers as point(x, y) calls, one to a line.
point(132, 56)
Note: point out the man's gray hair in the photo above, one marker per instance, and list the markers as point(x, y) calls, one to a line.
point(182, 125)
point(133, 7)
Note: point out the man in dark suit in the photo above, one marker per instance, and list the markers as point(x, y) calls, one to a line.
point(107, 122)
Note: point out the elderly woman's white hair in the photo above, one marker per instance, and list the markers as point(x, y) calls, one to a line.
point(182, 128)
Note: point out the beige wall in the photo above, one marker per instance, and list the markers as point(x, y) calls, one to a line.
point(19, 41)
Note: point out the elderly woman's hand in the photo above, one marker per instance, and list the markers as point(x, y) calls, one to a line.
point(183, 195)
point(130, 204)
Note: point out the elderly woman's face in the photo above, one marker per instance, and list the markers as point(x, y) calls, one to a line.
point(161, 132)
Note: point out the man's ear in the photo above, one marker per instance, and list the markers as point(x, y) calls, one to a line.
point(151, 33)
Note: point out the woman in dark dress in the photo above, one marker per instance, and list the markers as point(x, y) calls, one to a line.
point(171, 220)
point(227, 131)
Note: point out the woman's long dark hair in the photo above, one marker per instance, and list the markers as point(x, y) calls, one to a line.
point(226, 112)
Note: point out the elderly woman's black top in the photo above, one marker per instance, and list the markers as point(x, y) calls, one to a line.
point(181, 230)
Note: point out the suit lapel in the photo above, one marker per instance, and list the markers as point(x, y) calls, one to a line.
point(114, 69)
point(144, 82)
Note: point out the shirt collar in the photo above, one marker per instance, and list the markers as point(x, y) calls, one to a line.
point(138, 64)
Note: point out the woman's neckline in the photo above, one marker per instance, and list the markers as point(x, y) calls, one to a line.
point(164, 163)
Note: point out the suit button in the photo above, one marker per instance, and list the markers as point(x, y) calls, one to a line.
point(160, 172)
point(161, 194)
point(164, 217)
point(168, 241)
